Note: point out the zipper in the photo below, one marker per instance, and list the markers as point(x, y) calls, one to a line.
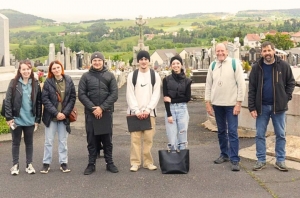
point(274, 89)
point(261, 87)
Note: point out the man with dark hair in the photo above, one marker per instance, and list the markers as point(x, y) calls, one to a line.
point(98, 91)
point(271, 84)
point(142, 98)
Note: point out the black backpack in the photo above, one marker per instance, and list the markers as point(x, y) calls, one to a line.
point(135, 75)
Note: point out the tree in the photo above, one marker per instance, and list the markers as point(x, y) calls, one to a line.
point(281, 41)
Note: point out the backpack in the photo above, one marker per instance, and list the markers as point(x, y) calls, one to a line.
point(135, 75)
point(233, 65)
point(134, 78)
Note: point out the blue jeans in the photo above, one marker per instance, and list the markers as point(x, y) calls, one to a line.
point(262, 122)
point(177, 131)
point(227, 132)
point(50, 132)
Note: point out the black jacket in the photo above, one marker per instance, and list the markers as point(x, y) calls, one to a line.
point(50, 100)
point(283, 86)
point(13, 102)
point(178, 88)
point(98, 88)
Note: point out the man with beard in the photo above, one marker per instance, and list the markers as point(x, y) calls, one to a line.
point(271, 84)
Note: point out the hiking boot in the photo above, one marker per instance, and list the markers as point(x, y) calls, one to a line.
point(89, 169)
point(134, 168)
point(15, 169)
point(45, 169)
point(281, 166)
point(112, 168)
point(235, 166)
point(30, 169)
point(259, 166)
point(221, 159)
point(151, 167)
point(64, 168)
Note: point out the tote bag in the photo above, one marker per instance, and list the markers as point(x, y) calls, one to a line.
point(174, 162)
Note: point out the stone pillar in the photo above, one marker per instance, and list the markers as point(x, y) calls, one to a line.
point(51, 56)
point(68, 58)
point(74, 61)
point(4, 41)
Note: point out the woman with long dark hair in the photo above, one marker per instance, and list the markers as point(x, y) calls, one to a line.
point(177, 93)
point(23, 110)
point(58, 97)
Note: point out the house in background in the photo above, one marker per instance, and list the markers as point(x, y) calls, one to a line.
point(252, 40)
point(296, 37)
point(162, 56)
point(195, 51)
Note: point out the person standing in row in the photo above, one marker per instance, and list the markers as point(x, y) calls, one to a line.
point(224, 93)
point(177, 93)
point(98, 91)
point(142, 99)
point(59, 97)
point(23, 111)
point(271, 85)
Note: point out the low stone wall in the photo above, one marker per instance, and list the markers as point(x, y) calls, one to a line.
point(247, 123)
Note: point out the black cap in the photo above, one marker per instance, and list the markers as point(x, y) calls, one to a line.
point(176, 57)
point(97, 55)
point(143, 54)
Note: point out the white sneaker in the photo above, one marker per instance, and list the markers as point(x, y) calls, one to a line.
point(15, 169)
point(151, 167)
point(30, 169)
point(134, 168)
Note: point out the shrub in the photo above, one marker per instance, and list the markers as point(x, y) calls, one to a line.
point(3, 126)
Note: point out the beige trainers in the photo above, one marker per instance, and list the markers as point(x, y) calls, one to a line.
point(134, 168)
point(151, 167)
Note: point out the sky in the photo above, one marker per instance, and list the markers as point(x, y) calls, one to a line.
point(83, 10)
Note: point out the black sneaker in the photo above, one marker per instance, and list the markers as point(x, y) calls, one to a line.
point(112, 168)
point(221, 159)
point(235, 166)
point(89, 169)
point(281, 166)
point(64, 168)
point(259, 166)
point(45, 169)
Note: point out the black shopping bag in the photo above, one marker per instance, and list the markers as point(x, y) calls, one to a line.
point(174, 162)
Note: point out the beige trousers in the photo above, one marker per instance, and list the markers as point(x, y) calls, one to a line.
point(142, 140)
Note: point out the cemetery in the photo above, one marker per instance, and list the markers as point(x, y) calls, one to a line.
point(196, 63)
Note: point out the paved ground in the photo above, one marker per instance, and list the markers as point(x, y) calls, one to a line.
point(205, 179)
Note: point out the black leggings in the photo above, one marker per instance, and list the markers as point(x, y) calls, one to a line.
point(16, 140)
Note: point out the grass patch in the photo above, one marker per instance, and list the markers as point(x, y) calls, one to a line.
point(4, 129)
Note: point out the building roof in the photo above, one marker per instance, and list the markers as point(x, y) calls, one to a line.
point(297, 34)
point(253, 37)
point(166, 54)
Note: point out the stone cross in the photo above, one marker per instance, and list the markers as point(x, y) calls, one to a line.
point(4, 41)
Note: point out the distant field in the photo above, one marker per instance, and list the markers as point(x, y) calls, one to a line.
point(37, 28)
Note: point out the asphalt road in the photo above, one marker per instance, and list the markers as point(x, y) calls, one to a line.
point(205, 179)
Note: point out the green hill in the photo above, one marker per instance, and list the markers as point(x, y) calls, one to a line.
point(18, 19)
point(287, 13)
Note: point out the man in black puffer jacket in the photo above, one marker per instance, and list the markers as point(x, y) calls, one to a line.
point(98, 91)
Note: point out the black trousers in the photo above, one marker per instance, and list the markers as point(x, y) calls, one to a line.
point(16, 140)
point(93, 142)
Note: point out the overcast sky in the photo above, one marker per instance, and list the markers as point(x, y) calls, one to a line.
point(75, 10)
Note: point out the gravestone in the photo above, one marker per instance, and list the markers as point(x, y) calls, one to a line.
point(252, 57)
point(74, 61)
point(4, 41)
point(51, 56)
point(199, 76)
